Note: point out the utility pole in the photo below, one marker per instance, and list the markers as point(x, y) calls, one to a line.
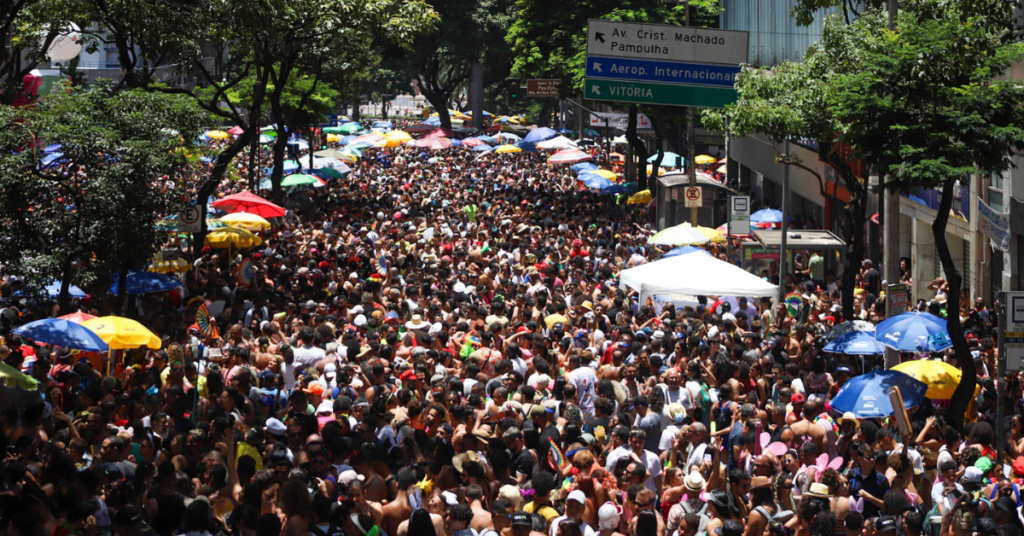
point(1001, 375)
point(785, 230)
point(691, 166)
point(891, 230)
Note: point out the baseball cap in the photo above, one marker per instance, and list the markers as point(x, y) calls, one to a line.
point(578, 496)
point(521, 519)
point(973, 474)
point(798, 398)
point(130, 517)
point(885, 524)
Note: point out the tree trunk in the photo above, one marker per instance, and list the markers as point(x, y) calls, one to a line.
point(545, 113)
point(439, 99)
point(857, 208)
point(213, 181)
point(280, 144)
point(659, 139)
point(957, 409)
point(355, 108)
point(638, 147)
point(122, 287)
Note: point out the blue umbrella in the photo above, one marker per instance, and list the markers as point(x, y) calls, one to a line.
point(856, 343)
point(685, 250)
point(483, 148)
point(347, 139)
point(669, 160)
point(433, 121)
point(564, 131)
point(614, 189)
point(766, 215)
point(914, 331)
point(147, 282)
point(594, 181)
point(456, 142)
point(584, 166)
point(63, 333)
point(527, 146)
point(383, 124)
point(540, 134)
point(867, 396)
point(301, 144)
point(53, 290)
point(53, 148)
point(288, 166)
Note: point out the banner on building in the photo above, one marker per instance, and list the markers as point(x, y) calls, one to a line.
point(994, 224)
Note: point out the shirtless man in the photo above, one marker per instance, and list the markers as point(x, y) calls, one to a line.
point(612, 371)
point(481, 517)
point(399, 510)
point(805, 430)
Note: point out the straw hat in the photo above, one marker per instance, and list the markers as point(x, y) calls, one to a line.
point(417, 323)
point(818, 490)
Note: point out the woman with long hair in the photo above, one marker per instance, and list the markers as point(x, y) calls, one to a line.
point(293, 502)
point(982, 438)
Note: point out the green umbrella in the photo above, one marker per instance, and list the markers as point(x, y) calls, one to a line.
point(350, 128)
point(299, 179)
point(264, 139)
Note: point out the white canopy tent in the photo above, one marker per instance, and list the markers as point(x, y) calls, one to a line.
point(558, 143)
point(694, 275)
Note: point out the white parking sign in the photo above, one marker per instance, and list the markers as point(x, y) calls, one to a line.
point(188, 220)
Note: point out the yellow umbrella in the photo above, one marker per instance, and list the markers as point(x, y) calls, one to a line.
point(162, 266)
point(217, 135)
point(650, 170)
point(941, 378)
point(705, 159)
point(722, 168)
point(397, 137)
point(229, 237)
point(122, 333)
point(508, 149)
point(333, 138)
point(604, 173)
point(244, 220)
point(640, 198)
point(714, 234)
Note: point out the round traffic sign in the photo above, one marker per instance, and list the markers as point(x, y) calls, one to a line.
point(190, 215)
point(693, 193)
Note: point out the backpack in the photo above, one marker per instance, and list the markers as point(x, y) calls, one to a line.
point(703, 398)
point(702, 514)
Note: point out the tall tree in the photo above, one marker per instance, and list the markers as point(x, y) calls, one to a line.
point(792, 101)
point(91, 210)
point(27, 29)
point(442, 59)
point(929, 102)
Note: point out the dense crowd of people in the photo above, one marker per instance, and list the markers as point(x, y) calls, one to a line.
point(437, 344)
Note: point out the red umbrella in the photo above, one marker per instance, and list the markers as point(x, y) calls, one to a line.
point(250, 203)
point(472, 142)
point(235, 131)
point(439, 133)
point(435, 144)
point(78, 317)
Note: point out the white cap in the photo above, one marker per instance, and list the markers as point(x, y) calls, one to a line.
point(356, 310)
point(326, 406)
point(330, 370)
point(578, 496)
point(359, 321)
point(713, 332)
point(346, 477)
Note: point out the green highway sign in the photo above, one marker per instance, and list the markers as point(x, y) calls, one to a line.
point(648, 93)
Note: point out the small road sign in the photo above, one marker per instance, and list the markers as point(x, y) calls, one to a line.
point(694, 197)
point(188, 220)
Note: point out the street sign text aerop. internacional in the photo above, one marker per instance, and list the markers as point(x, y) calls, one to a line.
point(663, 64)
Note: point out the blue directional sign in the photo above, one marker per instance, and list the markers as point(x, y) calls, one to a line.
point(672, 72)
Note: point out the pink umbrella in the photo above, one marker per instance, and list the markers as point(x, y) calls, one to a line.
point(568, 156)
point(439, 133)
point(472, 142)
point(235, 131)
point(371, 138)
point(78, 317)
point(434, 144)
point(250, 203)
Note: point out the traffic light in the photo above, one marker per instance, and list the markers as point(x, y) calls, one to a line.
point(513, 89)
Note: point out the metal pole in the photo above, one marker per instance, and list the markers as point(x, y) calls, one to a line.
point(691, 166)
point(891, 230)
point(785, 229)
point(1001, 384)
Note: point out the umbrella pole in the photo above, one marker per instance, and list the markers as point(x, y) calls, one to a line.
point(110, 358)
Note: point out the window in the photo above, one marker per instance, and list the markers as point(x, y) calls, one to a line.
point(995, 192)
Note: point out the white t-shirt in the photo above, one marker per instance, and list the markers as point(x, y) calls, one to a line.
point(668, 435)
point(584, 528)
point(653, 464)
point(585, 380)
point(697, 456)
point(308, 356)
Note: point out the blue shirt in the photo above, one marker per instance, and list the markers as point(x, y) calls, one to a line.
point(874, 483)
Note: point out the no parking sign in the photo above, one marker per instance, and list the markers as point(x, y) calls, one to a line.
point(188, 220)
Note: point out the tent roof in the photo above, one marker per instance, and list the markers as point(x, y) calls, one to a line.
point(799, 239)
point(695, 275)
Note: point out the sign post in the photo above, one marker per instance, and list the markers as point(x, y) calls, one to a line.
point(897, 296)
point(1011, 353)
point(543, 87)
point(663, 64)
point(739, 214)
point(694, 198)
point(188, 220)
